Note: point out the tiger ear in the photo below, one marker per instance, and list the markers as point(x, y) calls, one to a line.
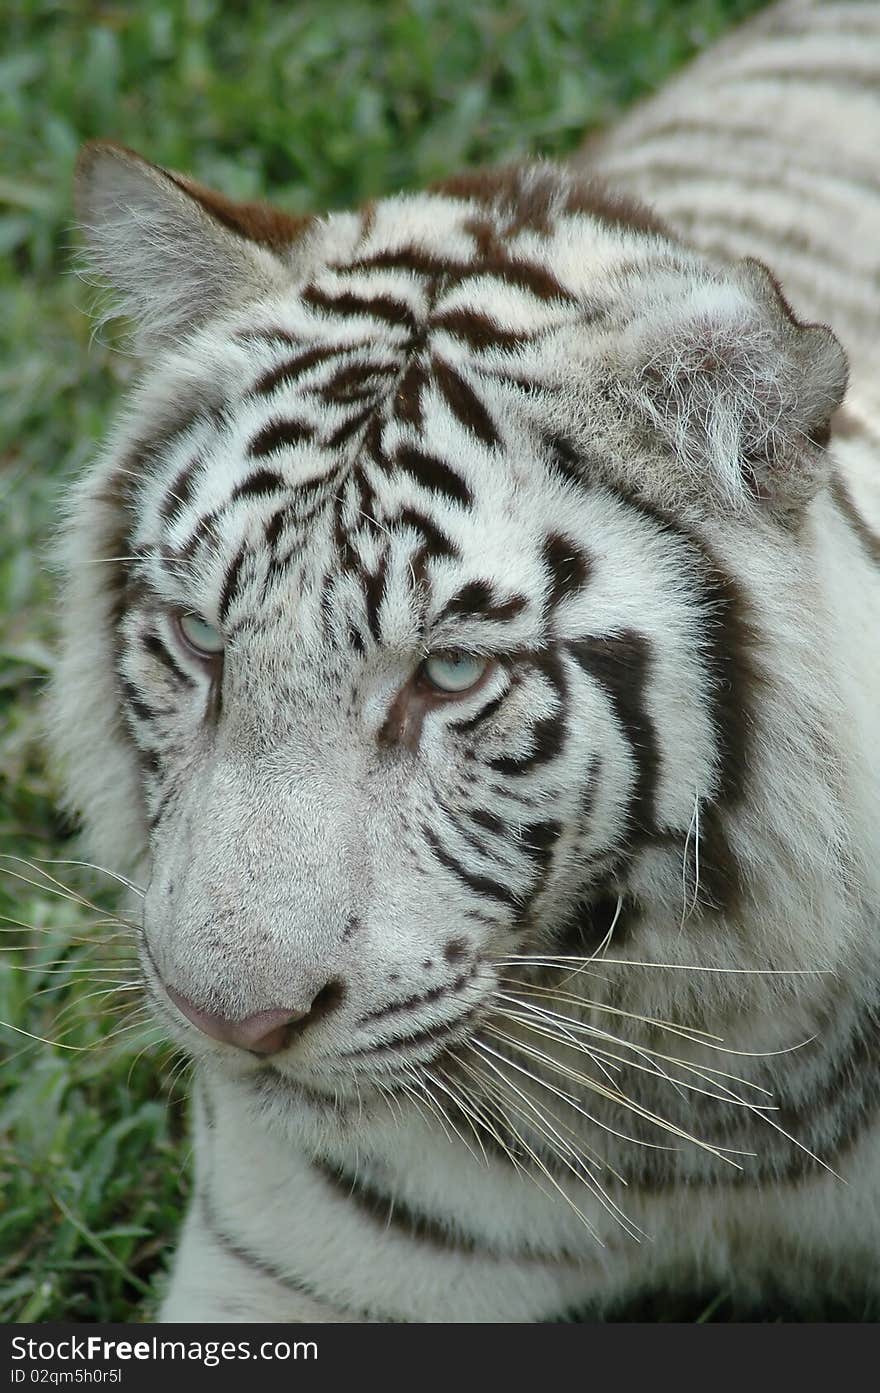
point(741, 390)
point(176, 252)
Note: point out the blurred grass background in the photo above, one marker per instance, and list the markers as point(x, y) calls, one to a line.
point(315, 105)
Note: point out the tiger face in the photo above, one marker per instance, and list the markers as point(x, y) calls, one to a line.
point(421, 652)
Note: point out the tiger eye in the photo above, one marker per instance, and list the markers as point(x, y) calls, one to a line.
point(203, 638)
point(454, 672)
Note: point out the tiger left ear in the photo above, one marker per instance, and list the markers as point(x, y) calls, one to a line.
point(741, 391)
point(176, 252)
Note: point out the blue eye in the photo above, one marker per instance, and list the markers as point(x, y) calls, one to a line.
point(201, 636)
point(454, 672)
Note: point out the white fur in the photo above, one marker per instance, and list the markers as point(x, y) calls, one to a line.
point(690, 393)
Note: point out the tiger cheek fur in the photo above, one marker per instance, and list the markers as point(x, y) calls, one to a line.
point(478, 675)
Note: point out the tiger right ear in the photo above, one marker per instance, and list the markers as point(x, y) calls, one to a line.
point(176, 252)
point(740, 391)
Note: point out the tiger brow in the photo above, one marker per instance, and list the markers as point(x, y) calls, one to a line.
point(477, 600)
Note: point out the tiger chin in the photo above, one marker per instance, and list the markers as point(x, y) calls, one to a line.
point(481, 678)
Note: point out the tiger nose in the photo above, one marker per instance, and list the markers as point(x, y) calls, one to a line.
point(266, 1032)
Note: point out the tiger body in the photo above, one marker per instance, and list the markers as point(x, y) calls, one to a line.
point(515, 928)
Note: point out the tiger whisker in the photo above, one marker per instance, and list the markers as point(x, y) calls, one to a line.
point(614, 1096)
point(540, 960)
point(59, 967)
point(649, 1068)
point(478, 1112)
point(58, 1044)
point(600, 949)
point(562, 1030)
point(438, 1083)
point(391, 1098)
point(68, 931)
point(554, 1028)
point(139, 1024)
point(40, 861)
point(645, 1051)
point(423, 1101)
point(693, 827)
point(55, 887)
point(591, 1229)
point(141, 1052)
point(501, 1114)
point(113, 989)
point(178, 1070)
point(422, 1083)
point(690, 1033)
point(593, 1159)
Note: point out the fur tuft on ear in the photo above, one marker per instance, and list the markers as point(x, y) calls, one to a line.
point(740, 391)
point(175, 252)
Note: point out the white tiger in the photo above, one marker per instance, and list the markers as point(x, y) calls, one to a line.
point(482, 679)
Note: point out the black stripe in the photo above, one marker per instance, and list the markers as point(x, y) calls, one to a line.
point(621, 664)
point(476, 600)
point(408, 397)
point(270, 335)
point(292, 368)
point(567, 566)
point(735, 688)
point(478, 330)
point(870, 541)
point(202, 531)
point(258, 1264)
point(280, 435)
point(537, 840)
point(135, 702)
point(374, 592)
point(526, 275)
point(547, 738)
point(206, 1098)
point(434, 474)
point(425, 998)
point(548, 732)
point(435, 543)
point(274, 526)
point(567, 459)
point(754, 140)
point(264, 481)
point(149, 760)
point(466, 726)
point(587, 925)
point(481, 885)
point(464, 403)
point(349, 426)
point(415, 1037)
point(406, 258)
point(530, 276)
point(345, 302)
point(390, 1212)
point(165, 802)
point(230, 583)
point(154, 645)
point(180, 493)
point(356, 382)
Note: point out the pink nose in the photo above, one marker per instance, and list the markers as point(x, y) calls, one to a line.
point(267, 1032)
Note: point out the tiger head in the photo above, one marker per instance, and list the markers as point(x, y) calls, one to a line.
point(452, 587)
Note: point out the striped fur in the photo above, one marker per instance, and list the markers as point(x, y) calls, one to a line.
point(585, 954)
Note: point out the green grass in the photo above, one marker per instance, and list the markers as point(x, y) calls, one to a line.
point(316, 105)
